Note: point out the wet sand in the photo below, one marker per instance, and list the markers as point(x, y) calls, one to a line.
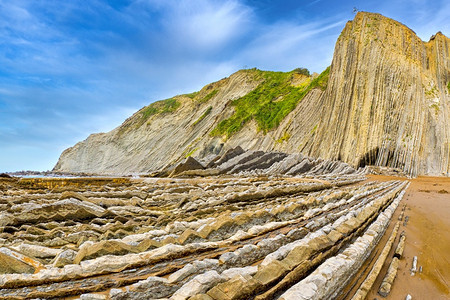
point(427, 237)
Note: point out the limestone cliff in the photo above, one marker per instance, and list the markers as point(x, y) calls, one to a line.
point(385, 100)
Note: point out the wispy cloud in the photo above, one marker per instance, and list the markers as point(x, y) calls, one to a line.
point(206, 25)
point(68, 70)
point(291, 45)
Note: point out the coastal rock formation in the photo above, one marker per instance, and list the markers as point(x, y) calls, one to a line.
point(254, 234)
point(260, 163)
point(390, 97)
point(384, 101)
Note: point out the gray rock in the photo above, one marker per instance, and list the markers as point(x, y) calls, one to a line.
point(300, 292)
point(37, 251)
point(198, 285)
point(61, 210)
point(229, 154)
point(188, 165)
point(66, 257)
point(92, 297)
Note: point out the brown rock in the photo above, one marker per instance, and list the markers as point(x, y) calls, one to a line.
point(388, 280)
point(15, 262)
point(271, 272)
point(201, 297)
point(400, 247)
point(190, 164)
point(66, 257)
point(297, 256)
point(89, 251)
point(238, 287)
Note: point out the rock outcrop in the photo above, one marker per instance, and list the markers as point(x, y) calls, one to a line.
point(384, 101)
point(390, 99)
point(251, 234)
point(260, 163)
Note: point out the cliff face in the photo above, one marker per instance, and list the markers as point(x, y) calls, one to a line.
point(164, 134)
point(385, 100)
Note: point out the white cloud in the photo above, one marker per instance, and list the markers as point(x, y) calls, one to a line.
point(204, 25)
point(216, 25)
point(291, 45)
point(69, 69)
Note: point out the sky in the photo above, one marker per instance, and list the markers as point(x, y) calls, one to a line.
point(72, 68)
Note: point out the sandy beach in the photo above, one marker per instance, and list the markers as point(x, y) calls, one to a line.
point(427, 237)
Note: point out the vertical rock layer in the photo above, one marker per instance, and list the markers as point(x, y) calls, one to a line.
point(387, 103)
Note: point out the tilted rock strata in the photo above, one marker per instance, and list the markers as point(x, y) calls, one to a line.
point(239, 236)
point(386, 103)
point(249, 163)
point(327, 280)
point(389, 99)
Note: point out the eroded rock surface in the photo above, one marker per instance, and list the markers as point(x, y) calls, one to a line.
point(253, 234)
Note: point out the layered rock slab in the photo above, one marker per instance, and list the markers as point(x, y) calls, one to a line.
point(212, 235)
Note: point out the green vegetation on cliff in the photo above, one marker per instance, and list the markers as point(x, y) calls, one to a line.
point(207, 112)
point(160, 107)
point(139, 118)
point(270, 102)
point(192, 95)
point(208, 97)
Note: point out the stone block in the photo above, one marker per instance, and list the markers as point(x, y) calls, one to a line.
point(271, 272)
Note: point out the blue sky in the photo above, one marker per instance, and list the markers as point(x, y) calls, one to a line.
point(71, 68)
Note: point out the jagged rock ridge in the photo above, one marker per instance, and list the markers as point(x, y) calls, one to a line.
point(259, 163)
point(223, 237)
point(385, 102)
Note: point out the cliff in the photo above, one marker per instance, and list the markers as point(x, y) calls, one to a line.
point(387, 101)
point(384, 101)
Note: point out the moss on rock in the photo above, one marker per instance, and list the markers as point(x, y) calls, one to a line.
point(269, 103)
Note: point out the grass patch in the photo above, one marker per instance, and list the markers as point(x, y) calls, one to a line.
point(448, 87)
point(208, 97)
point(303, 71)
point(269, 103)
point(286, 136)
point(435, 106)
point(190, 152)
point(207, 112)
point(431, 92)
point(158, 107)
point(139, 118)
point(192, 95)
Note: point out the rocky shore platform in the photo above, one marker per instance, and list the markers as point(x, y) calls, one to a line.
point(240, 228)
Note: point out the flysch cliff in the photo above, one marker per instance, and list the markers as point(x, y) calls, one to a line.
point(385, 101)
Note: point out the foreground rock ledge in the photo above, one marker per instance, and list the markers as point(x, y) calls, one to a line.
point(222, 237)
